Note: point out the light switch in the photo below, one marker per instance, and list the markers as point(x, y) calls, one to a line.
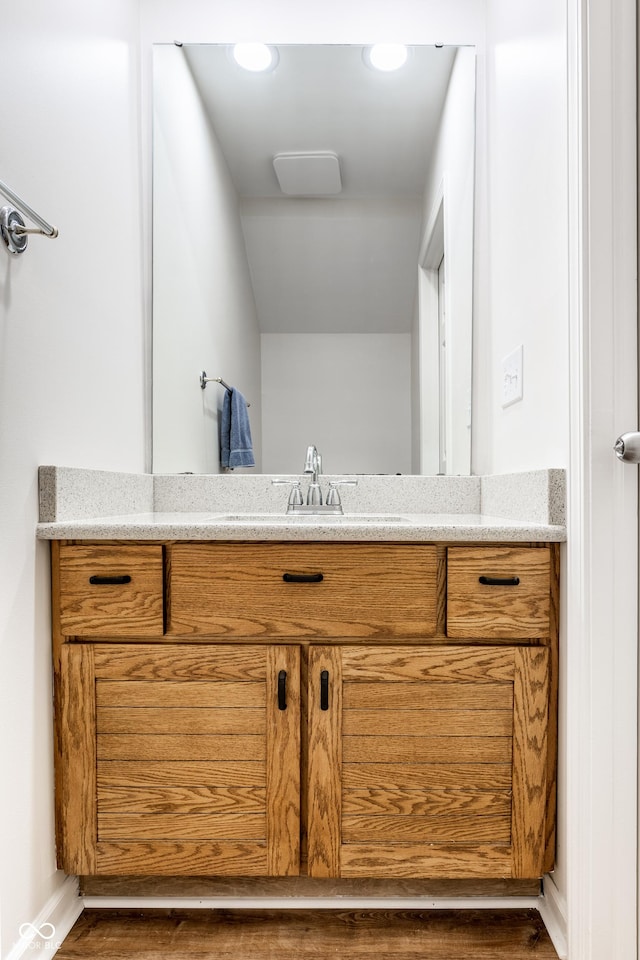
point(512, 377)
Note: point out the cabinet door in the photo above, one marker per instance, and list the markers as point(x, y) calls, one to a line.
point(427, 762)
point(179, 761)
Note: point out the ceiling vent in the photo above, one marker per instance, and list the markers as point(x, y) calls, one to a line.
point(308, 174)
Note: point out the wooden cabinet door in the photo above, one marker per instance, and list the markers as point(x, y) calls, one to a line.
point(427, 762)
point(179, 760)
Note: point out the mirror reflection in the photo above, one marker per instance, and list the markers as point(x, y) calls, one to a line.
point(312, 247)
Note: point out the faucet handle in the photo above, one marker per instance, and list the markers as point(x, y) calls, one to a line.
point(295, 497)
point(333, 496)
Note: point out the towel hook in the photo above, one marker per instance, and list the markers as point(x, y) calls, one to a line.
point(204, 380)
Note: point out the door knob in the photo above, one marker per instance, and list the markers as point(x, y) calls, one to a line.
point(627, 447)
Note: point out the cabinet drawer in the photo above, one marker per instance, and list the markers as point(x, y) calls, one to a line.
point(302, 590)
point(113, 591)
point(498, 592)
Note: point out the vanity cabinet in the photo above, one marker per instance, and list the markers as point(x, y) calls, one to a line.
point(325, 709)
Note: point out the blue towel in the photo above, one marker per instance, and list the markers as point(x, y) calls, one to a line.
point(236, 448)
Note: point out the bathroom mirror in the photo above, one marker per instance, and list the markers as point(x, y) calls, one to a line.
point(313, 247)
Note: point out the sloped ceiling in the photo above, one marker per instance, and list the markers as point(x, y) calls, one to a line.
point(335, 264)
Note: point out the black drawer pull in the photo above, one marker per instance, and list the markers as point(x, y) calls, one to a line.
point(282, 690)
point(303, 577)
point(324, 690)
point(125, 578)
point(499, 581)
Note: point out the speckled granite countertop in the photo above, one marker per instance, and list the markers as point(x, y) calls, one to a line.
point(208, 526)
point(78, 504)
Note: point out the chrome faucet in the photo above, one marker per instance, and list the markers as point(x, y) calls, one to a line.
point(314, 504)
point(313, 465)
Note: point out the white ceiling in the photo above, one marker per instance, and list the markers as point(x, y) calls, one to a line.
point(334, 264)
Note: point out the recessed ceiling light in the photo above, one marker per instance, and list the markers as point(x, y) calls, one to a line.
point(257, 57)
point(386, 56)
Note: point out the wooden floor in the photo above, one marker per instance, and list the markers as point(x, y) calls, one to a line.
point(299, 934)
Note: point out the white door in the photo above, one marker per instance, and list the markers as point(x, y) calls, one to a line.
point(598, 869)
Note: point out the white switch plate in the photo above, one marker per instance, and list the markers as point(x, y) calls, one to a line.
point(512, 378)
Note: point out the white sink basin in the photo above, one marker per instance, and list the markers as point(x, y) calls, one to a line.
point(308, 518)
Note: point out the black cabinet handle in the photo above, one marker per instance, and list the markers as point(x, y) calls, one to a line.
point(324, 690)
point(110, 580)
point(303, 577)
point(282, 690)
point(499, 581)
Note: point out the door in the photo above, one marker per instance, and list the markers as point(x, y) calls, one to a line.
point(427, 762)
point(179, 760)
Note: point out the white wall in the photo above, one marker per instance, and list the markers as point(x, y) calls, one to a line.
point(353, 402)
point(204, 315)
point(521, 251)
point(72, 361)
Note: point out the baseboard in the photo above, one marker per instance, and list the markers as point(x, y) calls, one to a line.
point(313, 903)
point(303, 886)
point(41, 936)
point(553, 910)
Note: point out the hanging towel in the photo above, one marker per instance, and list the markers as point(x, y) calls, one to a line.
point(236, 448)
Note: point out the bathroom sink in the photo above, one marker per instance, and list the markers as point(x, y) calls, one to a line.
point(308, 518)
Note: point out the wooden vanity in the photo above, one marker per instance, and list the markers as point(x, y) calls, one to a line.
point(320, 709)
